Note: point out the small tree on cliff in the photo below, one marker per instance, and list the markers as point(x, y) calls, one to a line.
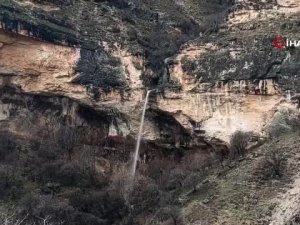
point(239, 143)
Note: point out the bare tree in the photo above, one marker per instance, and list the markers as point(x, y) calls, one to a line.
point(275, 160)
point(239, 143)
point(272, 165)
point(67, 140)
point(89, 159)
point(7, 218)
point(47, 220)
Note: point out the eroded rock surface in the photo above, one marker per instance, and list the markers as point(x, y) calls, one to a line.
point(226, 78)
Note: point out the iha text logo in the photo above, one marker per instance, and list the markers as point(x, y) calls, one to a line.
point(282, 42)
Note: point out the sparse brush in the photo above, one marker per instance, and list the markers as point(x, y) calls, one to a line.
point(284, 121)
point(239, 143)
point(272, 165)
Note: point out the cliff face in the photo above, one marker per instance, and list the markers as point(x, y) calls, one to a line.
point(206, 63)
point(154, 30)
point(239, 59)
point(39, 66)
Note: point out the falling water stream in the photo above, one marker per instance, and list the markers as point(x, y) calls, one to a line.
point(137, 148)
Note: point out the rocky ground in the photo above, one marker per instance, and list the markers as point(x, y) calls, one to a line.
point(241, 196)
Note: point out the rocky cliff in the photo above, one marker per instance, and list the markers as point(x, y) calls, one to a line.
point(213, 68)
point(73, 79)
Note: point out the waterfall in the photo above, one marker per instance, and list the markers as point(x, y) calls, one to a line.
point(138, 142)
point(288, 95)
point(4, 111)
point(112, 130)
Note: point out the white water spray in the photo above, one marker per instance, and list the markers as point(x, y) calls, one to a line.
point(288, 95)
point(137, 148)
point(4, 111)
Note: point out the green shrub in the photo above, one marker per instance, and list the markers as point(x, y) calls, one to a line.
point(173, 85)
point(99, 69)
point(189, 66)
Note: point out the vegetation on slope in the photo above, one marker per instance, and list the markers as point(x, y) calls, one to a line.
point(153, 29)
